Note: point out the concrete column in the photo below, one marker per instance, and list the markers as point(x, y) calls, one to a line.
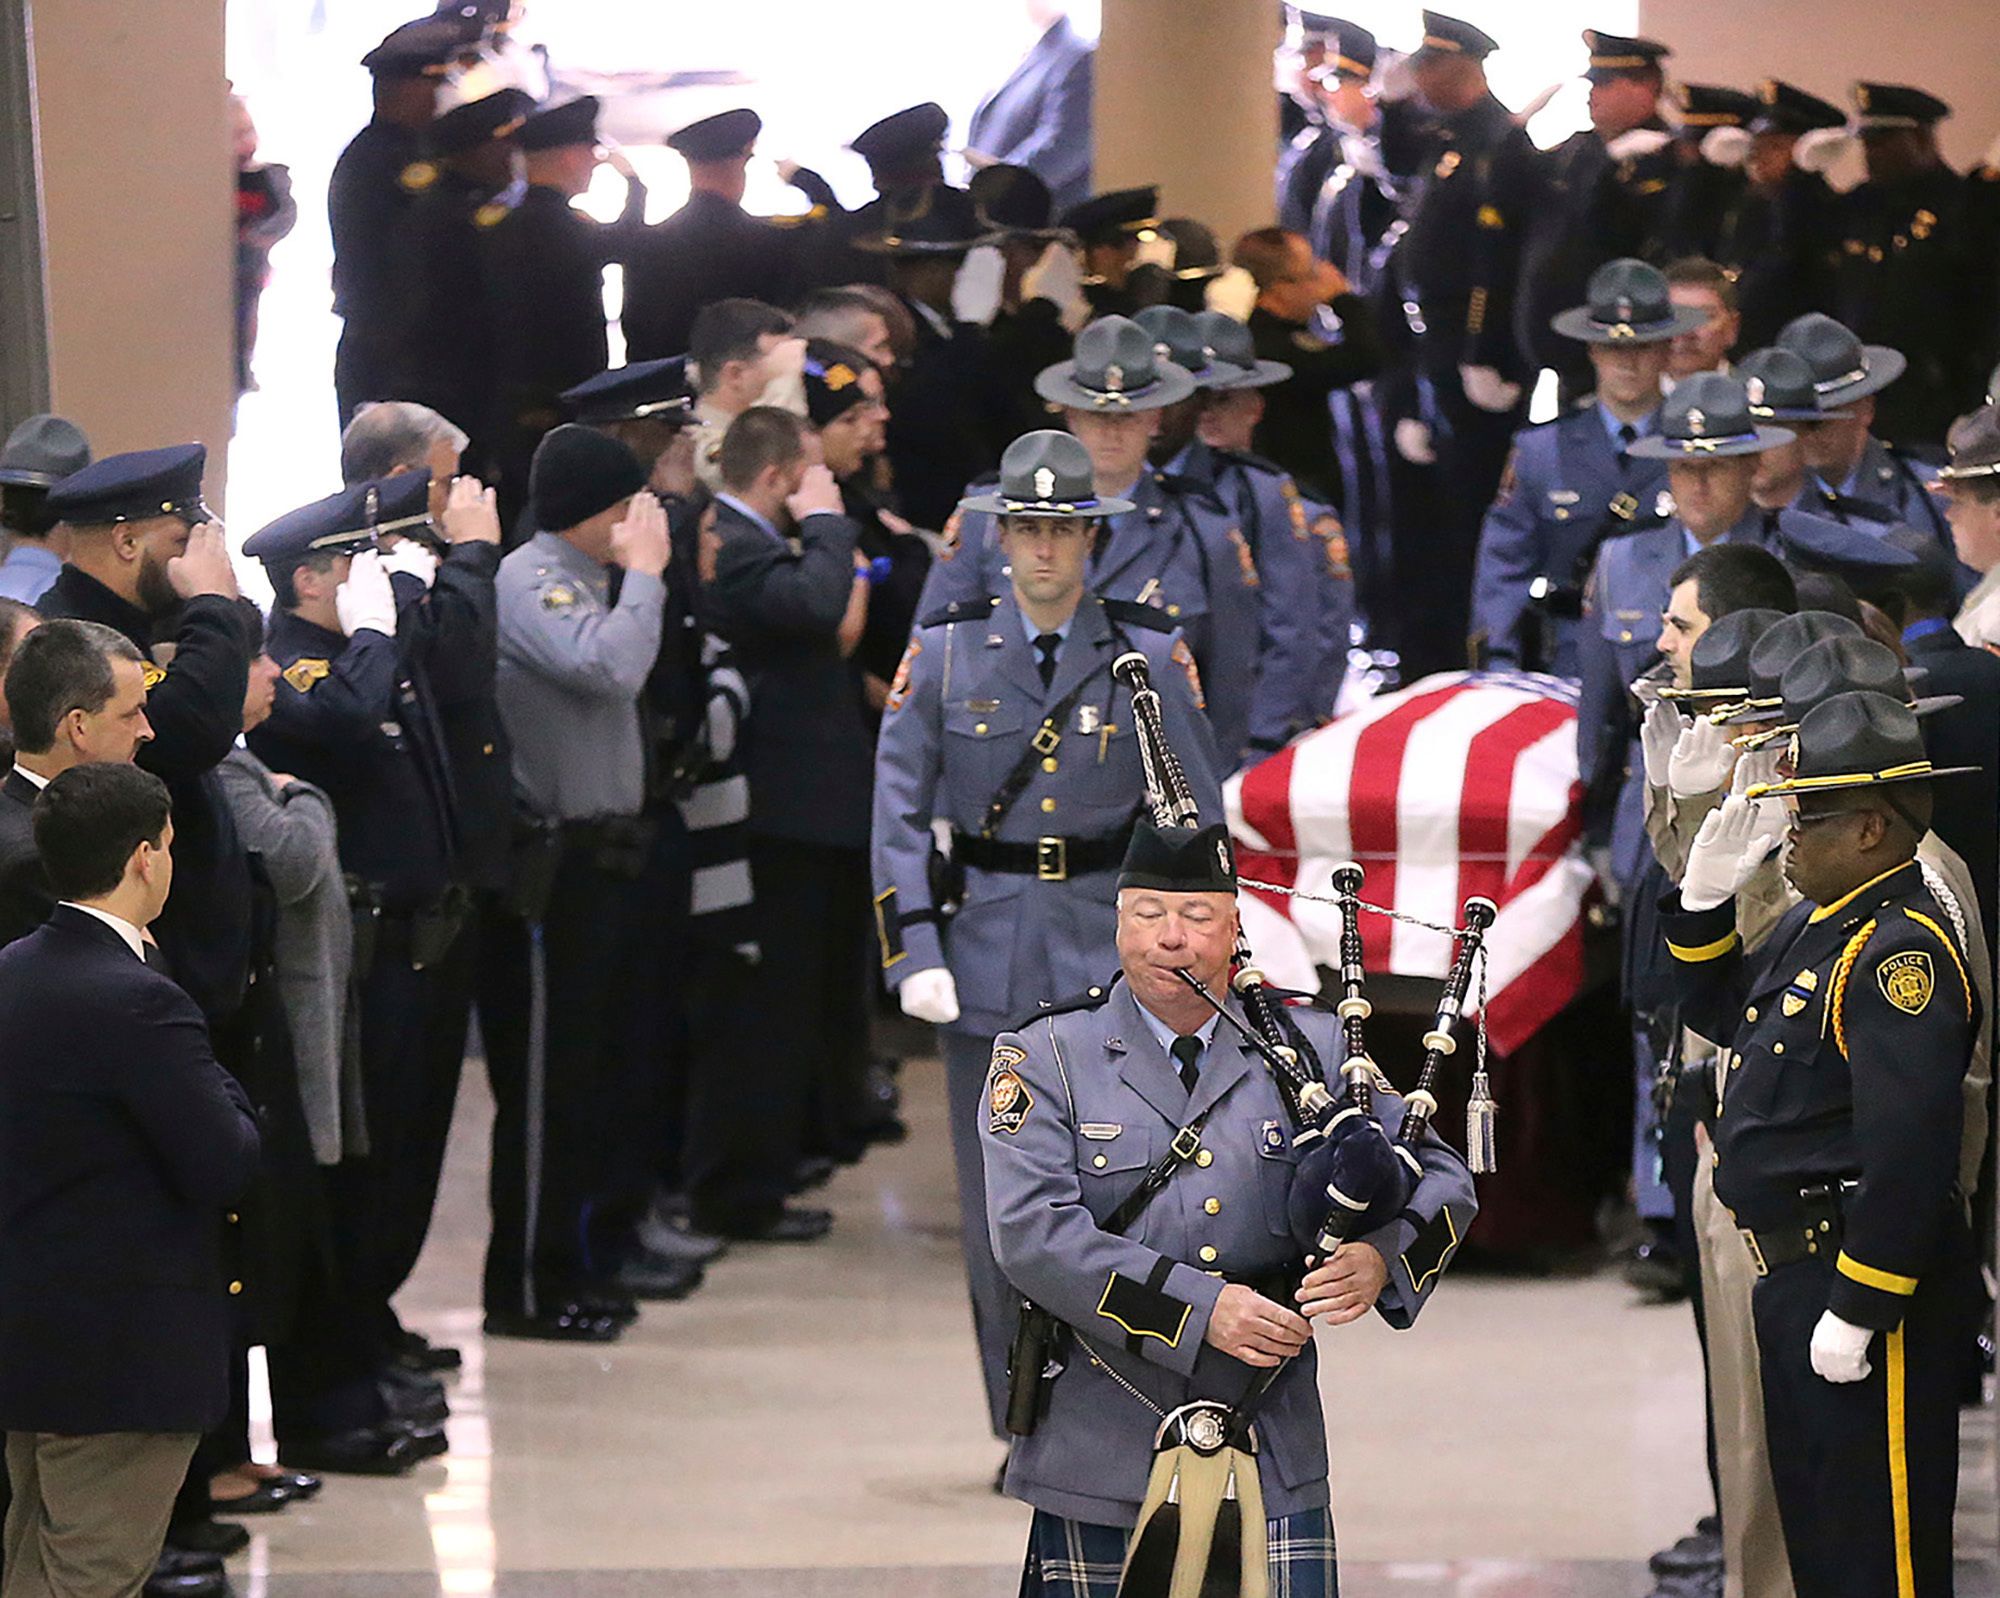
point(1184, 99)
point(138, 221)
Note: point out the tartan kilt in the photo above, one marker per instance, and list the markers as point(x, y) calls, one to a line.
point(1075, 1559)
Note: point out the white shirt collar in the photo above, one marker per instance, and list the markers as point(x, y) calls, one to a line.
point(39, 782)
point(134, 940)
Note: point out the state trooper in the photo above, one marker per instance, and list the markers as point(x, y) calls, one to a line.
point(1838, 1145)
point(1852, 474)
point(1200, 1292)
point(1272, 617)
point(1575, 482)
point(1004, 722)
point(356, 716)
point(1173, 548)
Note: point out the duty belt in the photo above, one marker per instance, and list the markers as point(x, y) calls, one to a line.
point(1814, 1235)
point(1049, 859)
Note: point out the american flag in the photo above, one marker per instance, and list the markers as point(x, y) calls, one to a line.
point(1462, 784)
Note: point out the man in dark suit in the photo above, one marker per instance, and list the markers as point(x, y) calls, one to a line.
point(121, 1140)
point(1040, 117)
point(77, 692)
point(787, 593)
point(147, 557)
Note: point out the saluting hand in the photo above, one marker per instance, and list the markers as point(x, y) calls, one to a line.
point(817, 492)
point(639, 542)
point(204, 566)
point(1248, 1326)
point(1345, 1287)
point(469, 514)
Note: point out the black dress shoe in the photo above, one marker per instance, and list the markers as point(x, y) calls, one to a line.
point(814, 1171)
point(266, 1498)
point(302, 1485)
point(653, 1277)
point(382, 1450)
point(186, 1562)
point(208, 1537)
point(795, 1223)
point(418, 1353)
point(427, 1442)
point(560, 1323)
point(186, 1584)
point(416, 1400)
point(611, 1302)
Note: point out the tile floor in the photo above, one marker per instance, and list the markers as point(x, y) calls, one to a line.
point(808, 1425)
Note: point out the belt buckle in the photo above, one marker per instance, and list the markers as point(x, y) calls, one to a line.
point(1756, 1253)
point(1052, 859)
point(1047, 736)
point(1186, 1143)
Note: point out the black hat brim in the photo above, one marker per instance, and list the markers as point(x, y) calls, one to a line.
point(1654, 447)
point(1058, 385)
point(1576, 323)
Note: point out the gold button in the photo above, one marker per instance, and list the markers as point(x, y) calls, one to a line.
point(1048, 805)
point(1213, 1206)
point(1049, 763)
point(1714, 1161)
point(979, 726)
point(1208, 1253)
point(235, 1288)
point(1098, 1161)
point(1777, 1048)
point(1173, 610)
point(486, 749)
point(1624, 638)
point(1751, 1013)
point(234, 1217)
point(1204, 1158)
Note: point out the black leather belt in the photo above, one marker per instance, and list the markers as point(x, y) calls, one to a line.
point(1815, 1234)
point(1049, 859)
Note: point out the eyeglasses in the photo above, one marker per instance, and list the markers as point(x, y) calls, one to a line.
point(1802, 819)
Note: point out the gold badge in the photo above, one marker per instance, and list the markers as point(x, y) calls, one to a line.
point(838, 376)
point(1008, 1100)
point(1490, 217)
point(558, 596)
point(899, 689)
point(152, 674)
point(303, 673)
point(1907, 980)
point(1792, 1003)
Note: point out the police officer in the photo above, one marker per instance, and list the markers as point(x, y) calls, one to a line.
point(1172, 549)
point(1197, 1294)
point(1575, 482)
point(1006, 724)
point(1838, 1142)
point(1333, 186)
point(443, 356)
point(1852, 474)
point(1029, 328)
point(1708, 185)
point(572, 664)
point(1269, 622)
point(544, 262)
point(905, 156)
point(708, 250)
point(1109, 229)
point(1971, 494)
point(366, 197)
point(1604, 195)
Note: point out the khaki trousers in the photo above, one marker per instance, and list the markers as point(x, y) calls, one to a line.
point(89, 1513)
point(1753, 1541)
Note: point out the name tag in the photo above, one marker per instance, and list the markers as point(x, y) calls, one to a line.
point(980, 707)
point(1101, 1131)
point(1563, 496)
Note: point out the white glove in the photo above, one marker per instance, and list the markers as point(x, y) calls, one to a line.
point(1413, 442)
point(1635, 142)
point(1754, 767)
point(1658, 734)
point(1701, 760)
point(1840, 1349)
point(1731, 845)
point(930, 996)
point(1487, 389)
point(1058, 278)
point(412, 556)
point(365, 599)
point(975, 293)
point(1818, 148)
point(1726, 146)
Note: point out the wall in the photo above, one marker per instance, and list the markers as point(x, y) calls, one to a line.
point(1184, 99)
point(138, 217)
point(1941, 45)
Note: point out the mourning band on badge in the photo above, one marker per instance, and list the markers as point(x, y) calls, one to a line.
point(1008, 1099)
point(1907, 980)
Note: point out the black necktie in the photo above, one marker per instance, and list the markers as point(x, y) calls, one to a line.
point(1628, 435)
point(1186, 1052)
point(1046, 645)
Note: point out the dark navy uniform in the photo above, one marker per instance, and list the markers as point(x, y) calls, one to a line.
point(366, 201)
point(1835, 1151)
point(710, 249)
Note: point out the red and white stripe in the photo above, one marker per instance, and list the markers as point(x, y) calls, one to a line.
point(1461, 784)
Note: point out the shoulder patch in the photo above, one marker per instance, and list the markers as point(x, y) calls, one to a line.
point(1131, 613)
point(1431, 1249)
point(1008, 1099)
point(948, 539)
point(304, 672)
point(1907, 980)
point(558, 596)
point(899, 689)
point(1295, 508)
point(1333, 538)
point(418, 176)
point(1184, 658)
point(1246, 562)
point(1509, 477)
point(152, 674)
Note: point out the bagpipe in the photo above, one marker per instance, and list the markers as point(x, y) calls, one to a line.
point(1201, 1531)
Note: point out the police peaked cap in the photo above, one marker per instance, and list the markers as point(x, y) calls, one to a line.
point(657, 389)
point(133, 487)
point(346, 522)
point(572, 122)
point(499, 115)
point(903, 137)
point(717, 138)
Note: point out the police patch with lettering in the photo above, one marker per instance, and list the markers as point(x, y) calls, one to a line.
point(1907, 980)
point(1008, 1099)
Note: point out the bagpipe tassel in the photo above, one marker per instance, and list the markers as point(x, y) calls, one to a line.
point(1149, 1563)
point(1224, 1576)
point(1482, 1150)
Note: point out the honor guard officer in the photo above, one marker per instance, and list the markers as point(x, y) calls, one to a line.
point(1267, 626)
point(1838, 1142)
point(708, 250)
point(1171, 549)
point(1109, 229)
point(905, 156)
point(544, 266)
point(1028, 329)
point(1332, 185)
point(1575, 482)
point(146, 557)
point(1897, 248)
point(1194, 1297)
point(1707, 191)
point(444, 355)
point(1006, 724)
point(1852, 474)
point(358, 719)
point(1604, 196)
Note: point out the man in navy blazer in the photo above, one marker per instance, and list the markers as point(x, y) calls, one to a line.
point(121, 1141)
point(1040, 117)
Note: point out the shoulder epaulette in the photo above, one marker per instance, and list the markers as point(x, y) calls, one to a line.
point(1188, 488)
point(1244, 457)
point(1089, 999)
point(960, 610)
point(1130, 613)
